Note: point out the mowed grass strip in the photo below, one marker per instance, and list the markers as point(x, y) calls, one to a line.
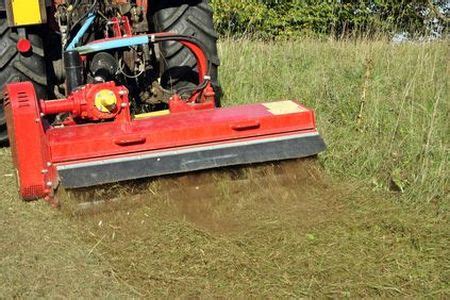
point(294, 234)
point(370, 220)
point(42, 254)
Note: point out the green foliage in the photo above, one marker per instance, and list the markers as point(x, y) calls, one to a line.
point(268, 18)
point(382, 108)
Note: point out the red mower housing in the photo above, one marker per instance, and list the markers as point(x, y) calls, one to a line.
point(188, 137)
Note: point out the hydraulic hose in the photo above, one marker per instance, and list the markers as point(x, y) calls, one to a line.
point(193, 44)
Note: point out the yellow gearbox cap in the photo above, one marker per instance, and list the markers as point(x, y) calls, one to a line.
point(105, 101)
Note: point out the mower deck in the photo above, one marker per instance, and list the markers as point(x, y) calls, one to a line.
point(183, 142)
point(189, 138)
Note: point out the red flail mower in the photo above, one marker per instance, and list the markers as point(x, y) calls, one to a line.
point(92, 136)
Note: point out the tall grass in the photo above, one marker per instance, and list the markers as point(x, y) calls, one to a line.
point(383, 108)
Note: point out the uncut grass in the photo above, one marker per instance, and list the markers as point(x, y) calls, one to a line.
point(397, 141)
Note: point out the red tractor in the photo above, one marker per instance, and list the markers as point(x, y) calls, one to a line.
point(99, 91)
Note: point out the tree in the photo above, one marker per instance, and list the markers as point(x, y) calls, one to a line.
point(268, 18)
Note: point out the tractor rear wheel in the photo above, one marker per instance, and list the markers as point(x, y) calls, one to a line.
point(178, 65)
point(15, 66)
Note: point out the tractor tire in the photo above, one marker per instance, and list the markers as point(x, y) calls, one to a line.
point(15, 66)
point(178, 65)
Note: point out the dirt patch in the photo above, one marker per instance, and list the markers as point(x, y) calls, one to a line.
point(230, 200)
point(221, 201)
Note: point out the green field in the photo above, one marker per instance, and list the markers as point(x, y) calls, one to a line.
point(368, 219)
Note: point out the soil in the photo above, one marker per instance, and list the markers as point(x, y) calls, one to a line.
point(215, 200)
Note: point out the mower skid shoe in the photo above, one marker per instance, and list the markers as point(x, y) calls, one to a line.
point(266, 149)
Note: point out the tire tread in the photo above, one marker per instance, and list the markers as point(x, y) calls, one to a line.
point(192, 18)
point(17, 67)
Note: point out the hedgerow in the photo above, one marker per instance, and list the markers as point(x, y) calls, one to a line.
point(269, 18)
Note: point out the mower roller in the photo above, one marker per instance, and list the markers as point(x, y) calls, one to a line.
point(93, 135)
